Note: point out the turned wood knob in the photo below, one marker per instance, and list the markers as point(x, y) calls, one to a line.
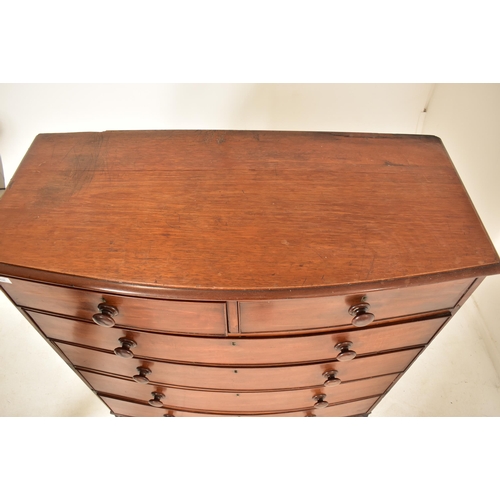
point(124, 351)
point(361, 315)
point(320, 401)
point(105, 317)
point(330, 378)
point(345, 353)
point(142, 377)
point(156, 401)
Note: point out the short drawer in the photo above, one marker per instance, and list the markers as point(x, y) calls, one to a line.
point(129, 409)
point(250, 402)
point(237, 378)
point(324, 312)
point(240, 351)
point(150, 314)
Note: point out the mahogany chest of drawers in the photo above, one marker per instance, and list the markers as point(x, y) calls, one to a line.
point(234, 273)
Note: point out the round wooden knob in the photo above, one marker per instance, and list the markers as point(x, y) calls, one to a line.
point(156, 401)
point(105, 317)
point(142, 378)
point(124, 351)
point(345, 353)
point(361, 315)
point(330, 378)
point(320, 401)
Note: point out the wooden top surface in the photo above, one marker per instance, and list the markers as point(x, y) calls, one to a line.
point(223, 210)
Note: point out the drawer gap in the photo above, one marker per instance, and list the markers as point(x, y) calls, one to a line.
point(261, 335)
point(235, 391)
point(249, 414)
point(256, 366)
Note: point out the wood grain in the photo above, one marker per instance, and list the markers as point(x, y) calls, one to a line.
point(250, 402)
point(127, 408)
point(241, 351)
point(321, 312)
point(233, 258)
point(237, 378)
point(207, 318)
point(265, 210)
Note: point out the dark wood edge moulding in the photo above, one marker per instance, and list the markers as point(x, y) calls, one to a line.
point(216, 294)
point(361, 135)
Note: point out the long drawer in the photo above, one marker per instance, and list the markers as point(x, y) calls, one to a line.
point(239, 378)
point(251, 402)
point(321, 312)
point(207, 318)
point(129, 409)
point(241, 351)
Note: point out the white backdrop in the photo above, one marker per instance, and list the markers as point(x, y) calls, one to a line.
point(466, 117)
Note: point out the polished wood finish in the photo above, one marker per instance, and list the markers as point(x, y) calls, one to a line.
point(142, 378)
point(321, 401)
point(207, 318)
point(332, 209)
point(345, 353)
point(187, 273)
point(124, 351)
point(331, 377)
point(232, 316)
point(130, 409)
point(239, 378)
point(105, 317)
point(241, 351)
point(361, 315)
point(156, 401)
point(168, 293)
point(250, 402)
point(279, 315)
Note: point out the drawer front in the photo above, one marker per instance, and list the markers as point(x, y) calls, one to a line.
point(150, 314)
point(325, 312)
point(239, 378)
point(250, 402)
point(129, 409)
point(240, 351)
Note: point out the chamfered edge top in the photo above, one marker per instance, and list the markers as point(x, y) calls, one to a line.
point(150, 210)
